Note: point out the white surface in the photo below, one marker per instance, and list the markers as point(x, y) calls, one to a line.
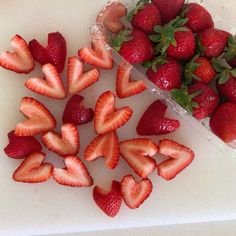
point(204, 192)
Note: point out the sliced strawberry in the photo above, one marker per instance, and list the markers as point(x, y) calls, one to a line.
point(108, 201)
point(19, 61)
point(104, 145)
point(124, 86)
point(65, 144)
point(135, 193)
point(33, 170)
point(76, 113)
point(51, 86)
point(75, 174)
point(77, 79)
point(107, 117)
point(179, 158)
point(40, 119)
point(137, 153)
point(20, 147)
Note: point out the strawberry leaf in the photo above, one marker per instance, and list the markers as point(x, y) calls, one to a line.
point(224, 78)
point(233, 72)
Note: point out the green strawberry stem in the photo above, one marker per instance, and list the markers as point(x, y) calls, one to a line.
point(230, 51)
point(139, 6)
point(123, 36)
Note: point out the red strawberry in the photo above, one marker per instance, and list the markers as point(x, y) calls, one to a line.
point(111, 16)
point(137, 153)
point(153, 121)
point(76, 113)
point(20, 147)
point(54, 53)
point(65, 144)
point(179, 158)
point(77, 79)
point(125, 87)
point(134, 46)
point(40, 119)
point(104, 145)
point(33, 170)
point(51, 86)
point(19, 61)
point(75, 174)
point(135, 193)
point(108, 201)
point(107, 116)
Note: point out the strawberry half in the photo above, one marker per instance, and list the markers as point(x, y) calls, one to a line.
point(65, 144)
point(40, 119)
point(104, 145)
point(107, 117)
point(108, 201)
point(77, 79)
point(33, 170)
point(51, 86)
point(179, 158)
point(137, 153)
point(19, 61)
point(135, 193)
point(75, 174)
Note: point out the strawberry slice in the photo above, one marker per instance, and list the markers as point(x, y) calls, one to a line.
point(135, 193)
point(19, 61)
point(179, 158)
point(137, 153)
point(124, 86)
point(75, 174)
point(65, 144)
point(111, 16)
point(107, 117)
point(108, 201)
point(40, 119)
point(33, 170)
point(104, 145)
point(77, 79)
point(51, 86)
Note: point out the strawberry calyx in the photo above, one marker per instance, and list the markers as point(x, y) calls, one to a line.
point(139, 6)
point(160, 60)
point(124, 36)
point(230, 51)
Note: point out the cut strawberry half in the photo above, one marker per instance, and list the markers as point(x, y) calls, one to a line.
point(40, 119)
point(137, 153)
point(19, 61)
point(51, 86)
point(77, 79)
point(105, 145)
point(65, 144)
point(107, 117)
point(75, 174)
point(135, 193)
point(108, 201)
point(33, 170)
point(179, 158)
point(124, 86)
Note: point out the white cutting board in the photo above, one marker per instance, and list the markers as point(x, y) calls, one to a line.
point(205, 191)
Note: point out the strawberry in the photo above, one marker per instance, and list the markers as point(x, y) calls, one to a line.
point(134, 46)
point(77, 79)
point(75, 174)
point(135, 193)
point(137, 153)
point(39, 120)
point(19, 61)
point(107, 116)
point(179, 158)
point(33, 169)
point(20, 147)
point(76, 113)
point(54, 53)
point(153, 121)
point(65, 144)
point(108, 201)
point(111, 16)
point(51, 86)
point(104, 145)
point(125, 87)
